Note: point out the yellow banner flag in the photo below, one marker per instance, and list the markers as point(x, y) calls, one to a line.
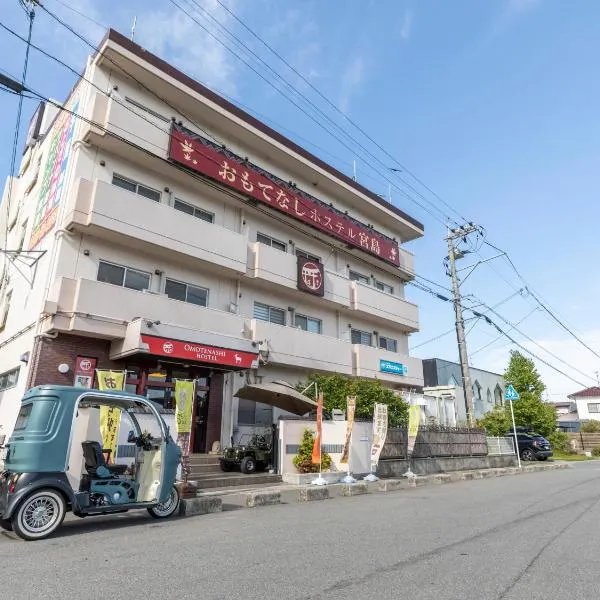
point(414, 420)
point(110, 417)
point(184, 398)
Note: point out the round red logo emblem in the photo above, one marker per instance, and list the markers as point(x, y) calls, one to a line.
point(85, 364)
point(168, 348)
point(311, 276)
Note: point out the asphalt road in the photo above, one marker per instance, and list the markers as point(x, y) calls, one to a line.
point(532, 536)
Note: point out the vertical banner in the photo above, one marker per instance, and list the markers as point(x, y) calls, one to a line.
point(350, 409)
point(316, 453)
point(380, 427)
point(84, 372)
point(414, 419)
point(184, 403)
point(110, 417)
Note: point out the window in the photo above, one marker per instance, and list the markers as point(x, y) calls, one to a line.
point(9, 379)
point(387, 343)
point(594, 408)
point(194, 211)
point(269, 241)
point(5, 310)
point(308, 256)
point(186, 292)
point(361, 337)
point(489, 396)
point(308, 323)
point(254, 413)
point(355, 276)
point(23, 417)
point(123, 276)
point(136, 188)
point(477, 390)
point(264, 312)
point(384, 287)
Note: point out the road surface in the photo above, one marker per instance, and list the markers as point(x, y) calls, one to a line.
point(532, 536)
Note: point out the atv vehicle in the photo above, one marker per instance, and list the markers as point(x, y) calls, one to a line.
point(250, 457)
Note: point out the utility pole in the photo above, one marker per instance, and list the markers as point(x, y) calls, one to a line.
point(453, 255)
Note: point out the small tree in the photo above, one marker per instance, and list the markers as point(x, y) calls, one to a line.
point(303, 460)
point(336, 388)
point(530, 410)
point(496, 422)
point(590, 427)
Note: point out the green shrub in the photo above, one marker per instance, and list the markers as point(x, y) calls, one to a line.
point(559, 440)
point(596, 451)
point(303, 460)
point(591, 427)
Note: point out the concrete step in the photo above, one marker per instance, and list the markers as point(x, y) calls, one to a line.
point(203, 469)
point(228, 480)
point(204, 459)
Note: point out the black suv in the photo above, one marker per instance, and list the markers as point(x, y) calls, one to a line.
point(532, 446)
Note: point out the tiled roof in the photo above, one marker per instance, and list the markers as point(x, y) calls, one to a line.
point(593, 392)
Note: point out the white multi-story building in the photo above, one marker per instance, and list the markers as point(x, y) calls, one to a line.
point(159, 229)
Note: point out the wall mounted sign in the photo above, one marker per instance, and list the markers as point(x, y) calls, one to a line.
point(311, 276)
point(160, 346)
point(387, 366)
point(85, 369)
point(200, 155)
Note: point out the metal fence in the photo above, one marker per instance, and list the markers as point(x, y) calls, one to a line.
point(500, 446)
point(436, 442)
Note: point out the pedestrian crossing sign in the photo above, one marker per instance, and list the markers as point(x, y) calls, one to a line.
point(511, 394)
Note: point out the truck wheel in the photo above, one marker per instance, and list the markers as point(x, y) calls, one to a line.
point(248, 465)
point(168, 507)
point(39, 515)
point(6, 524)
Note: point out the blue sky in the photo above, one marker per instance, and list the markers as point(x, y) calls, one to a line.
point(492, 104)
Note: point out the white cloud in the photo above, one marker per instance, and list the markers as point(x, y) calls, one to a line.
point(352, 78)
point(180, 40)
point(406, 26)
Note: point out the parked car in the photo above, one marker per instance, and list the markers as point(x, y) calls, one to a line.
point(532, 446)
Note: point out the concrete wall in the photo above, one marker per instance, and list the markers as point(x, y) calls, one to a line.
point(427, 466)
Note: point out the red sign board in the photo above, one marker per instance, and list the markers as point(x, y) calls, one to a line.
point(311, 276)
point(85, 369)
point(200, 155)
point(200, 352)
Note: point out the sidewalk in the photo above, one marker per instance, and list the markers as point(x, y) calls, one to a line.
point(226, 499)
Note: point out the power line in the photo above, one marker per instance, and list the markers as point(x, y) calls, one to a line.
point(330, 103)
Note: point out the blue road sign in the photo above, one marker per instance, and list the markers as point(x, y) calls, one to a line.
point(387, 366)
point(511, 394)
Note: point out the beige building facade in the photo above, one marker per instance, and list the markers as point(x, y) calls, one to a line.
point(160, 230)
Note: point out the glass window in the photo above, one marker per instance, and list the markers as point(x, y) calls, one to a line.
point(384, 287)
point(388, 343)
point(186, 292)
point(308, 256)
point(361, 337)
point(355, 276)
point(199, 213)
point(594, 408)
point(308, 323)
point(123, 276)
point(23, 417)
point(136, 188)
point(269, 241)
point(9, 379)
point(246, 412)
point(272, 314)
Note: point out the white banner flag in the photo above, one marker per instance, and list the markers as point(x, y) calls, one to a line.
point(380, 427)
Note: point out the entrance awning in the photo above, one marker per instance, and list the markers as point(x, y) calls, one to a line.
point(279, 394)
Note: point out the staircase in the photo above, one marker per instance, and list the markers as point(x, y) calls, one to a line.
point(206, 470)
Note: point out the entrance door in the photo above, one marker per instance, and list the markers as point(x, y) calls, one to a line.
point(200, 421)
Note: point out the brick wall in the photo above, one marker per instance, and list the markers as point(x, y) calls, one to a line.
point(215, 409)
point(48, 354)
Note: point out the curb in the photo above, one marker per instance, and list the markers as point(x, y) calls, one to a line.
point(290, 494)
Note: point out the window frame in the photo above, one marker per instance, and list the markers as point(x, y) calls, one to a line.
point(137, 185)
point(361, 332)
point(386, 347)
point(359, 277)
point(203, 215)
point(270, 309)
point(307, 255)
point(5, 379)
point(596, 409)
point(268, 240)
point(312, 319)
point(125, 270)
point(381, 286)
point(187, 286)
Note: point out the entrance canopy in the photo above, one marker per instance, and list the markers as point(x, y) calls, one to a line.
point(279, 394)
